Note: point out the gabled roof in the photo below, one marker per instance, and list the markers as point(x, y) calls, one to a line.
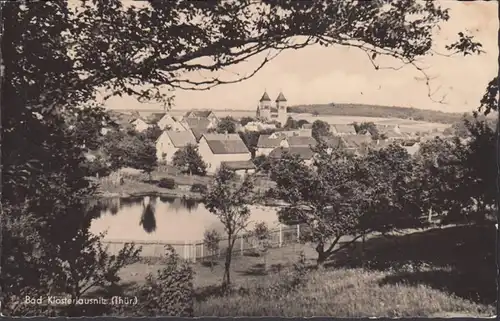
point(266, 142)
point(356, 141)
point(181, 139)
point(236, 165)
point(303, 152)
point(199, 132)
point(198, 113)
point(215, 136)
point(334, 142)
point(227, 146)
point(197, 122)
point(301, 141)
point(343, 128)
point(281, 97)
point(265, 97)
point(391, 133)
point(154, 118)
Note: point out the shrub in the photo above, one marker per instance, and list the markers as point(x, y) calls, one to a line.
point(169, 292)
point(167, 183)
point(199, 188)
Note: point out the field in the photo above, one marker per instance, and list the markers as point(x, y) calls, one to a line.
point(437, 272)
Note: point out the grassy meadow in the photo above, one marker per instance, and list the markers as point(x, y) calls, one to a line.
point(432, 273)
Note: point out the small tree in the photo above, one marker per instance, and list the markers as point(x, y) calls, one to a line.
point(320, 129)
point(246, 120)
point(226, 125)
point(228, 198)
point(291, 123)
point(145, 158)
point(188, 160)
point(211, 240)
point(326, 198)
point(263, 235)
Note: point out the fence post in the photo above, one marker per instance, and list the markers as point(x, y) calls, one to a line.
point(186, 253)
point(241, 244)
point(281, 236)
point(298, 233)
point(193, 246)
point(201, 252)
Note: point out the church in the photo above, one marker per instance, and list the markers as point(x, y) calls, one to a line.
point(272, 113)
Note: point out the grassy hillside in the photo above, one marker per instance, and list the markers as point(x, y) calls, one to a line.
point(378, 111)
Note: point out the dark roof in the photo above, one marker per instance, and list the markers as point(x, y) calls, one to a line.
point(197, 122)
point(235, 165)
point(334, 142)
point(198, 132)
point(303, 152)
point(181, 139)
point(356, 141)
point(301, 141)
point(227, 146)
point(198, 113)
point(344, 128)
point(266, 142)
point(265, 97)
point(281, 97)
point(154, 118)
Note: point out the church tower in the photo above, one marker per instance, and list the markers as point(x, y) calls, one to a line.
point(281, 105)
point(264, 108)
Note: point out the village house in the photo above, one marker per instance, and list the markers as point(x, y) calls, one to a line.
point(393, 134)
point(267, 144)
point(356, 144)
point(291, 133)
point(301, 141)
point(207, 114)
point(304, 153)
point(307, 126)
point(171, 141)
point(241, 167)
point(168, 122)
point(342, 129)
point(140, 124)
point(218, 148)
point(199, 123)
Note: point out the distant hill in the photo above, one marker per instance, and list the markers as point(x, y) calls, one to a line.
point(363, 110)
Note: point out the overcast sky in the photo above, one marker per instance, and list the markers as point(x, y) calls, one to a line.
point(345, 75)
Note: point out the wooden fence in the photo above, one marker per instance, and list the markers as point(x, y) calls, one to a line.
point(194, 251)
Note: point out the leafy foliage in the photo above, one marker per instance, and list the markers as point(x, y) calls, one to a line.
point(226, 125)
point(245, 120)
point(199, 188)
point(367, 127)
point(320, 129)
point(189, 160)
point(167, 183)
point(169, 292)
point(291, 123)
point(228, 198)
point(211, 239)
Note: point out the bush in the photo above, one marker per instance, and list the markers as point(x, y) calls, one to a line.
point(199, 188)
point(167, 183)
point(168, 293)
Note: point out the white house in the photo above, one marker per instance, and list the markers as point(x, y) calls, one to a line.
point(208, 114)
point(200, 123)
point(171, 141)
point(140, 124)
point(218, 148)
point(169, 122)
point(266, 144)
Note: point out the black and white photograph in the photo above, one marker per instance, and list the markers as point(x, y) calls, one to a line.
point(249, 158)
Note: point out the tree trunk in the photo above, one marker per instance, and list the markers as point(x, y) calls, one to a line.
point(320, 261)
point(226, 279)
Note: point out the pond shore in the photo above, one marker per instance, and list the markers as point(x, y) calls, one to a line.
point(131, 188)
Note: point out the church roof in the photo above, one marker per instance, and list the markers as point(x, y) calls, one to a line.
point(281, 97)
point(265, 97)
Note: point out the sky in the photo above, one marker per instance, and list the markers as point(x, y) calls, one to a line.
point(319, 75)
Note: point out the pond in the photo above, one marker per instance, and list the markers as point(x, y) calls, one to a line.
point(163, 219)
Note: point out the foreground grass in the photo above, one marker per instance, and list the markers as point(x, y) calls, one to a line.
point(456, 278)
point(339, 293)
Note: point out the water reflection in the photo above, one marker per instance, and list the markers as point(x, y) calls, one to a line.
point(160, 218)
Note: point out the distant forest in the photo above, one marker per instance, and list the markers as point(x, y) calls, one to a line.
point(379, 111)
